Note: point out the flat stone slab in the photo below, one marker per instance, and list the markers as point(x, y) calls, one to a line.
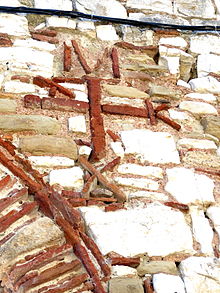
point(156, 230)
point(188, 187)
point(125, 285)
point(207, 84)
point(164, 92)
point(8, 106)
point(45, 145)
point(198, 107)
point(124, 91)
point(14, 25)
point(139, 183)
point(202, 160)
point(211, 125)
point(155, 267)
point(135, 169)
point(196, 143)
point(146, 146)
point(38, 123)
point(170, 282)
point(51, 162)
point(201, 274)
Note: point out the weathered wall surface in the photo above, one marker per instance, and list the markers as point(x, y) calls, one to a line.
point(76, 95)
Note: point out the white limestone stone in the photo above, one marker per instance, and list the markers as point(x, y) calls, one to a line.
point(181, 82)
point(118, 148)
point(204, 44)
point(134, 169)
point(156, 230)
point(195, 9)
point(77, 124)
point(206, 84)
point(202, 230)
point(173, 41)
point(213, 213)
point(67, 178)
point(123, 271)
point(85, 150)
point(152, 5)
point(73, 86)
point(51, 4)
point(106, 33)
point(34, 44)
point(18, 87)
point(10, 3)
point(50, 162)
point(187, 187)
point(111, 8)
point(164, 283)
point(205, 97)
point(196, 143)
point(147, 194)
point(178, 115)
point(81, 96)
point(14, 25)
point(201, 274)
point(198, 107)
point(60, 22)
point(139, 183)
point(85, 25)
point(146, 146)
point(207, 63)
point(172, 63)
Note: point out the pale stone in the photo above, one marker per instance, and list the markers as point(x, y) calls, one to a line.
point(171, 63)
point(45, 145)
point(147, 194)
point(39, 123)
point(50, 162)
point(202, 160)
point(136, 35)
point(186, 64)
point(153, 69)
point(125, 285)
point(202, 230)
point(178, 115)
point(196, 143)
point(81, 96)
point(106, 33)
point(146, 146)
point(85, 25)
point(74, 86)
point(155, 267)
point(173, 41)
point(157, 90)
point(34, 44)
point(201, 274)
point(183, 83)
point(187, 187)
point(134, 169)
point(206, 84)
point(77, 124)
point(218, 151)
point(36, 235)
point(122, 271)
point(213, 213)
point(201, 9)
point(85, 150)
point(207, 63)
point(164, 283)
point(67, 178)
point(60, 22)
point(205, 44)
point(138, 183)
point(124, 91)
point(8, 106)
point(10, 3)
point(14, 25)
point(211, 125)
point(152, 5)
point(198, 96)
point(123, 101)
point(18, 87)
point(111, 8)
point(50, 4)
point(118, 148)
point(156, 230)
point(198, 107)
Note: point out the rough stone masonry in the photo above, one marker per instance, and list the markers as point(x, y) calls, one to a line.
point(110, 149)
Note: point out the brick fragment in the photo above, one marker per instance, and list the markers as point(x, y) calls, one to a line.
point(45, 32)
point(151, 113)
point(52, 91)
point(176, 205)
point(68, 79)
point(5, 42)
point(12, 197)
point(169, 121)
point(151, 51)
point(43, 38)
point(148, 286)
point(125, 110)
point(64, 105)
point(81, 58)
point(114, 207)
point(32, 102)
point(125, 261)
point(114, 136)
point(67, 60)
point(22, 78)
point(115, 63)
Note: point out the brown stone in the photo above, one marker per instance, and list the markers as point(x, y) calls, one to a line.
point(156, 267)
point(45, 145)
point(37, 123)
point(126, 285)
point(211, 125)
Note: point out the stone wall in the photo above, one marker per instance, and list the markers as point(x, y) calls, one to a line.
point(117, 129)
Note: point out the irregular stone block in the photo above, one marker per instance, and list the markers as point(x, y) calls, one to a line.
point(37, 123)
point(124, 91)
point(37, 45)
point(36, 235)
point(171, 283)
point(196, 143)
point(77, 124)
point(204, 44)
point(18, 87)
point(118, 149)
point(205, 97)
point(60, 22)
point(125, 285)
point(198, 107)
point(155, 267)
point(137, 183)
point(187, 187)
point(206, 85)
point(123, 271)
point(213, 213)
point(157, 196)
point(51, 162)
point(163, 91)
point(68, 178)
point(202, 9)
point(173, 41)
point(45, 145)
point(146, 146)
point(153, 5)
point(148, 171)
point(106, 33)
point(201, 274)
point(118, 231)
point(201, 159)
point(14, 25)
point(8, 106)
point(207, 63)
point(211, 125)
point(104, 8)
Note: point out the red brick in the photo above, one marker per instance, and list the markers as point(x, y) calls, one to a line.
point(67, 60)
point(64, 105)
point(43, 38)
point(125, 110)
point(22, 78)
point(32, 102)
point(5, 42)
point(45, 32)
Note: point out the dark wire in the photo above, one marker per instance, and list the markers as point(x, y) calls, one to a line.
point(75, 14)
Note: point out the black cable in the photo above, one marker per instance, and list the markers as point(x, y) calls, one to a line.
point(75, 14)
